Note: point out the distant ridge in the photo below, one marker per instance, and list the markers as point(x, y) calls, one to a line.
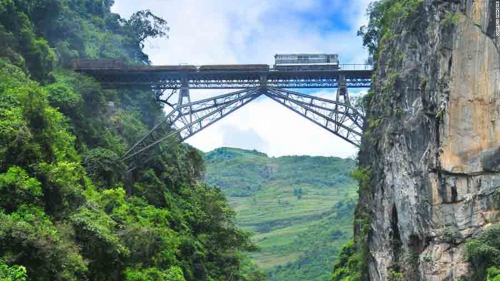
point(299, 207)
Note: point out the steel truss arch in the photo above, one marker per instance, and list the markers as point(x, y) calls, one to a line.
point(190, 118)
point(338, 118)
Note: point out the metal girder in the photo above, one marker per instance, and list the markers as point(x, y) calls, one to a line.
point(143, 79)
point(290, 83)
point(326, 106)
point(338, 118)
point(187, 119)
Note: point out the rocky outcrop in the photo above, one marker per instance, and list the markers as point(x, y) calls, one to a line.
point(434, 141)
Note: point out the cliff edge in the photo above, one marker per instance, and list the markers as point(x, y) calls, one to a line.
point(432, 143)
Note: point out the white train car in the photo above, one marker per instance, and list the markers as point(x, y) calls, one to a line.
point(306, 62)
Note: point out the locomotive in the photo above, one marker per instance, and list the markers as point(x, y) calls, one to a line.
point(304, 62)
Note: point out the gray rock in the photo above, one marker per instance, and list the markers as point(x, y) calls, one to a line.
point(437, 167)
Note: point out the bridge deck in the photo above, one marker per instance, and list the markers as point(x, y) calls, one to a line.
point(145, 77)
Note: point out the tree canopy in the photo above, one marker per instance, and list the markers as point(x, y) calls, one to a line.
point(64, 211)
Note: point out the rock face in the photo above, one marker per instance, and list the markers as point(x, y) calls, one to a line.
point(434, 141)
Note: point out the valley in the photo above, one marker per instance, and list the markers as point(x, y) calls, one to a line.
point(298, 207)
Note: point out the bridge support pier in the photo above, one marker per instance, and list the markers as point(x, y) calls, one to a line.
point(128, 181)
point(342, 94)
point(184, 97)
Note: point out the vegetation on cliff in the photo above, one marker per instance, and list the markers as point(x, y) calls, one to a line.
point(391, 34)
point(299, 207)
point(483, 254)
point(64, 212)
point(385, 21)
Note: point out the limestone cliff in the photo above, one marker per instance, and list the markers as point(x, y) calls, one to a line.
point(433, 143)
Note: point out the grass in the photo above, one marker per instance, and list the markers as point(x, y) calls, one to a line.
point(299, 238)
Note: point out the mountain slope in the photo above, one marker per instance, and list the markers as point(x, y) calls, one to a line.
point(299, 207)
point(64, 214)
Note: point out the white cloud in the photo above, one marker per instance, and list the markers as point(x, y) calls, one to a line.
point(245, 31)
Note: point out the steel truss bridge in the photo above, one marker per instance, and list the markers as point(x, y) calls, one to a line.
point(187, 118)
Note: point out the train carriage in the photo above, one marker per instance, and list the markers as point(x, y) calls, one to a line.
point(88, 64)
point(306, 62)
point(115, 64)
point(235, 67)
point(158, 68)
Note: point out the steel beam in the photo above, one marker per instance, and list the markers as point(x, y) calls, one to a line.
point(142, 79)
point(190, 118)
point(187, 119)
point(340, 119)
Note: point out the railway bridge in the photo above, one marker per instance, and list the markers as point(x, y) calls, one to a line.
point(246, 83)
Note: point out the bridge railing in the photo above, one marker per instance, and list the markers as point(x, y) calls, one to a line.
point(356, 66)
point(343, 66)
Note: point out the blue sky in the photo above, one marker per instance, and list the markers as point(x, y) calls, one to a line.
point(253, 31)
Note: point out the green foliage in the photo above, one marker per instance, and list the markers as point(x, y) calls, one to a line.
point(18, 188)
point(346, 268)
point(395, 276)
point(373, 123)
point(31, 130)
point(363, 176)
point(29, 238)
point(352, 262)
point(483, 253)
point(172, 274)
point(383, 15)
point(103, 166)
point(12, 273)
point(63, 209)
point(367, 99)
point(19, 32)
point(63, 97)
point(95, 233)
point(298, 239)
point(250, 271)
point(64, 183)
point(493, 274)
point(145, 24)
point(450, 19)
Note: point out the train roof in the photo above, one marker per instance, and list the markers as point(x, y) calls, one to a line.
point(304, 54)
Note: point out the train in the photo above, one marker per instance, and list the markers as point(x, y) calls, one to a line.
point(87, 64)
point(283, 62)
point(112, 64)
point(164, 68)
point(306, 62)
point(235, 67)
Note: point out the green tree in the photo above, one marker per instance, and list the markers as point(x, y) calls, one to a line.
point(64, 212)
point(12, 273)
point(484, 255)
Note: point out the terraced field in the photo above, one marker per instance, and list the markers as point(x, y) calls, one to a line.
point(299, 208)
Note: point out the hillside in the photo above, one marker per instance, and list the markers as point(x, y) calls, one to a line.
point(64, 211)
point(299, 207)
